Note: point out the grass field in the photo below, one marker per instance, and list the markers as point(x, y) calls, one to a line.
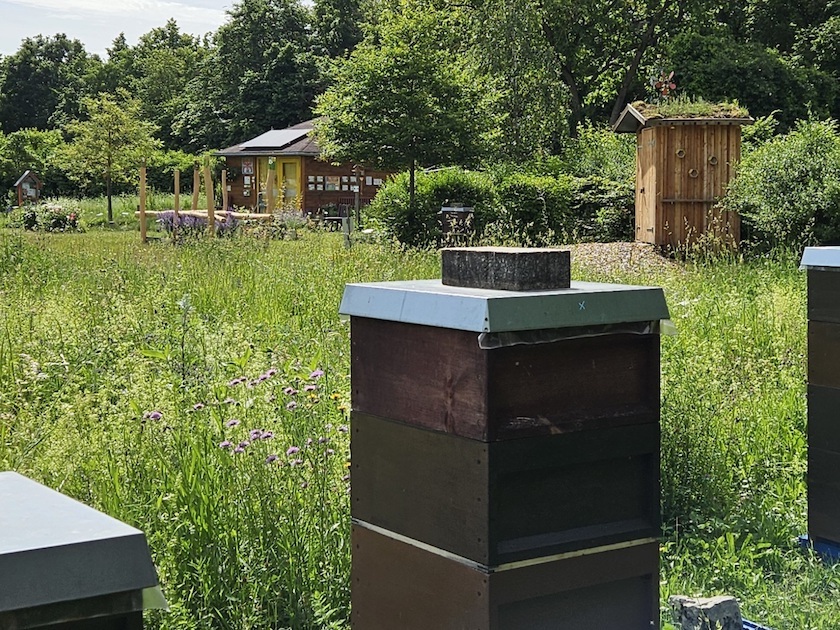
point(201, 393)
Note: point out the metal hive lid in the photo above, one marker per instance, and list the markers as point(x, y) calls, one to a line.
point(55, 549)
point(430, 303)
point(820, 257)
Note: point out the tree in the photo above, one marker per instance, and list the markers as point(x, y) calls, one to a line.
point(43, 81)
point(337, 26)
point(260, 73)
point(111, 143)
point(402, 100)
point(36, 150)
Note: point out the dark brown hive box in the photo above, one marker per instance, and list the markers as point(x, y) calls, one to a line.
point(398, 584)
point(823, 264)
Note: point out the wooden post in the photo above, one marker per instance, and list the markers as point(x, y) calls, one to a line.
point(196, 186)
point(269, 185)
point(143, 238)
point(175, 215)
point(211, 203)
point(224, 191)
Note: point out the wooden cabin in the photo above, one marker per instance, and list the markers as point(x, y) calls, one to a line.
point(682, 168)
point(304, 182)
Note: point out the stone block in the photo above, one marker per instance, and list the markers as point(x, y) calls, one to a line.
point(706, 613)
point(507, 268)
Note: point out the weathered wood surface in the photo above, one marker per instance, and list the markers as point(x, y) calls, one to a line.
point(398, 585)
point(440, 379)
point(511, 500)
point(506, 268)
point(823, 353)
point(221, 216)
point(824, 296)
point(681, 170)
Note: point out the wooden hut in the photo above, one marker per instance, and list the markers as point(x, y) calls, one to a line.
point(303, 180)
point(28, 188)
point(682, 168)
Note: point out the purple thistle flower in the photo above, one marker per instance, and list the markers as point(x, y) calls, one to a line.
point(323, 440)
point(244, 444)
point(239, 449)
point(198, 406)
point(232, 422)
point(255, 434)
point(346, 478)
point(155, 415)
point(271, 372)
point(310, 388)
point(225, 444)
point(262, 378)
point(291, 405)
point(317, 374)
point(290, 391)
point(236, 381)
point(292, 450)
point(267, 435)
point(271, 458)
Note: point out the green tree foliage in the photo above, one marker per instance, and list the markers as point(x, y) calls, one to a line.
point(337, 26)
point(402, 100)
point(532, 102)
point(788, 190)
point(260, 74)
point(110, 144)
point(42, 83)
point(36, 150)
point(718, 68)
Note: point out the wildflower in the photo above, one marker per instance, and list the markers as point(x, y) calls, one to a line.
point(244, 444)
point(291, 405)
point(229, 401)
point(309, 441)
point(296, 462)
point(271, 372)
point(198, 406)
point(267, 435)
point(310, 388)
point(292, 450)
point(255, 434)
point(236, 381)
point(232, 422)
point(343, 428)
point(262, 378)
point(225, 444)
point(304, 485)
point(335, 396)
point(239, 449)
point(329, 451)
point(271, 458)
point(342, 408)
point(289, 391)
point(155, 415)
point(346, 478)
point(323, 440)
point(317, 374)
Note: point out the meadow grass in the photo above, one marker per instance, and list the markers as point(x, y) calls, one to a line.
point(130, 375)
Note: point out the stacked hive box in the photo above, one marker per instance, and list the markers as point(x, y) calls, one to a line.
point(505, 451)
point(823, 264)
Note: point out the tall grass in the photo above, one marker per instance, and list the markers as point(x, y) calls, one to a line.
point(130, 375)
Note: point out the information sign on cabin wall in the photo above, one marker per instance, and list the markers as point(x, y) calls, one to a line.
point(247, 167)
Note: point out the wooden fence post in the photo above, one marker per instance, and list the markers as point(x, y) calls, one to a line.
point(211, 204)
point(224, 191)
point(143, 238)
point(175, 216)
point(196, 186)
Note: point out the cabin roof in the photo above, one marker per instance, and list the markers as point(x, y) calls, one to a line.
point(294, 140)
point(631, 120)
point(28, 174)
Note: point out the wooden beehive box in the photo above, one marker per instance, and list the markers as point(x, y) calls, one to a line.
point(682, 168)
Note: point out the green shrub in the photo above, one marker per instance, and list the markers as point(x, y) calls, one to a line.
point(421, 227)
point(788, 190)
point(46, 217)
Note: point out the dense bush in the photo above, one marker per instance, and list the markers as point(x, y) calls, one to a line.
point(46, 217)
point(788, 190)
point(391, 212)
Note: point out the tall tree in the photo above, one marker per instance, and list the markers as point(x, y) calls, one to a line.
point(110, 143)
point(337, 26)
point(43, 81)
point(402, 100)
point(259, 74)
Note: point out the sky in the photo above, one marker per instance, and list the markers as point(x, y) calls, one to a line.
point(96, 23)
